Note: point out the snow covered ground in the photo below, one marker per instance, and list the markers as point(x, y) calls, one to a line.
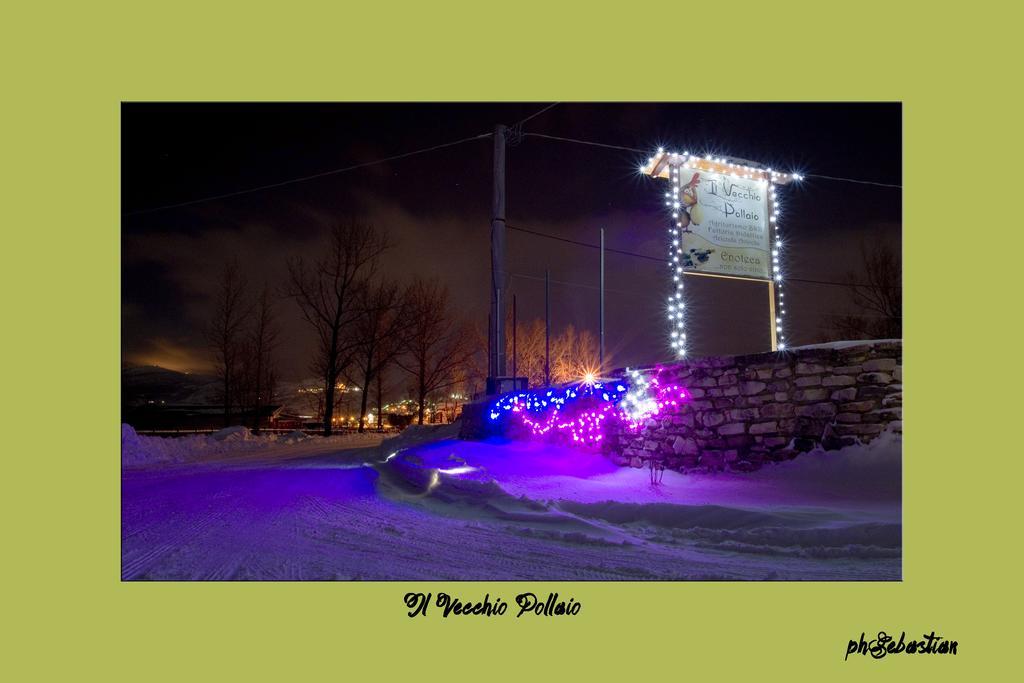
point(428, 506)
point(237, 442)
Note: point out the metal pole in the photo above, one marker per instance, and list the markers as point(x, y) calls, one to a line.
point(515, 335)
point(601, 356)
point(497, 351)
point(547, 328)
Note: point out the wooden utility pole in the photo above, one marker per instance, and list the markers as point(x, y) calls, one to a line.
point(496, 364)
point(601, 313)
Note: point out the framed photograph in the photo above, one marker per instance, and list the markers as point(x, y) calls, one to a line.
point(458, 342)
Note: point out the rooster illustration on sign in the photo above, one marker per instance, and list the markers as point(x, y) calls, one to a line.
point(690, 211)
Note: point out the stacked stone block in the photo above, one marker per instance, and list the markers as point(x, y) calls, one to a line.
point(748, 410)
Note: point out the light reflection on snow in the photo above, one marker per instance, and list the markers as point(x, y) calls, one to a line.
point(458, 470)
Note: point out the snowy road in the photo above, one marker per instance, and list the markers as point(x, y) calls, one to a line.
point(492, 511)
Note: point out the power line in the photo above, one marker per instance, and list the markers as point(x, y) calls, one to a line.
point(584, 244)
point(301, 179)
point(851, 180)
point(640, 151)
point(538, 113)
point(585, 142)
point(638, 293)
point(663, 260)
point(857, 315)
point(574, 284)
point(404, 155)
point(335, 171)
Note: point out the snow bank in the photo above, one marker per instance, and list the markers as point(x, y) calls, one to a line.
point(843, 504)
point(417, 435)
point(295, 436)
point(140, 451)
point(132, 450)
point(236, 433)
point(845, 344)
point(543, 470)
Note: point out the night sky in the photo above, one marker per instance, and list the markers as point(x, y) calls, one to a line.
point(436, 207)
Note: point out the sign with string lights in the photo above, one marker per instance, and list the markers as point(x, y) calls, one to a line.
point(725, 216)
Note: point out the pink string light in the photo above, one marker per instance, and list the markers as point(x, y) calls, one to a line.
point(583, 411)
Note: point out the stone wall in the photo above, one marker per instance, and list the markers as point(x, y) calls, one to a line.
point(746, 410)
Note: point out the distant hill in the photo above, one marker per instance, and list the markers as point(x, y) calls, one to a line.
point(144, 383)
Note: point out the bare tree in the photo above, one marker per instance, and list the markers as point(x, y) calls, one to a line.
point(574, 353)
point(877, 294)
point(437, 346)
point(263, 338)
point(328, 294)
point(477, 363)
point(225, 332)
point(378, 337)
point(528, 350)
point(380, 398)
